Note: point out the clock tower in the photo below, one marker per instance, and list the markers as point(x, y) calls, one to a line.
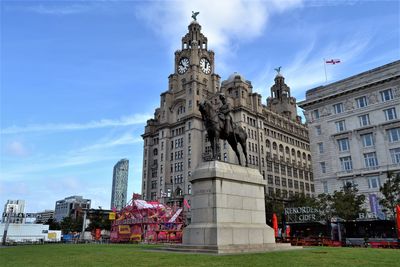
point(177, 128)
point(194, 70)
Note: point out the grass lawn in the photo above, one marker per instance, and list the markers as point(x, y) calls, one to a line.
point(136, 255)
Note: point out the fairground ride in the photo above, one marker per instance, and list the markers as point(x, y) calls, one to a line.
point(150, 222)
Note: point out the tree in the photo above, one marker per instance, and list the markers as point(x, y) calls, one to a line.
point(99, 219)
point(347, 203)
point(325, 205)
point(53, 224)
point(69, 224)
point(274, 204)
point(391, 192)
point(301, 200)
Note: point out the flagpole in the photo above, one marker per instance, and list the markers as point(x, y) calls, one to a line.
point(326, 77)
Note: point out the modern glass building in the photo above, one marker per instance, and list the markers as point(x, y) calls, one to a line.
point(120, 184)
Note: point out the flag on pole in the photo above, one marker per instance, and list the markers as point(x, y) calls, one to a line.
point(186, 203)
point(332, 61)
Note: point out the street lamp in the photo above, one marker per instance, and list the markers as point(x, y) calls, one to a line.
point(9, 214)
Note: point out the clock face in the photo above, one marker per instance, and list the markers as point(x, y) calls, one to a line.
point(183, 65)
point(205, 65)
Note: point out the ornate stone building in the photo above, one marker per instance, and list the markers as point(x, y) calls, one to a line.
point(175, 141)
point(355, 127)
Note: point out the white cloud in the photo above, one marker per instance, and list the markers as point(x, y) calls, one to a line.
point(16, 148)
point(60, 9)
point(225, 23)
point(104, 149)
point(125, 139)
point(52, 127)
point(306, 70)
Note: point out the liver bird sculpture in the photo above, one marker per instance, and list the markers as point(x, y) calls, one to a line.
point(278, 69)
point(194, 15)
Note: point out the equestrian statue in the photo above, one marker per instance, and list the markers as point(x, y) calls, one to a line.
point(219, 125)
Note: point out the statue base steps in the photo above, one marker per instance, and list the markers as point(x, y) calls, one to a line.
point(229, 249)
point(228, 211)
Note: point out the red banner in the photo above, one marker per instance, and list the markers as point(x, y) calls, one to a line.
point(98, 233)
point(398, 220)
point(275, 224)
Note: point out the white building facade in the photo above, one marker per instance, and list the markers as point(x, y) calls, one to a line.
point(354, 125)
point(70, 206)
point(17, 209)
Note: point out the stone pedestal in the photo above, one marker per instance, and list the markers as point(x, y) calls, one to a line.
point(228, 210)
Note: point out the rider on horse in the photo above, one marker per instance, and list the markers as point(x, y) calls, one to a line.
point(224, 113)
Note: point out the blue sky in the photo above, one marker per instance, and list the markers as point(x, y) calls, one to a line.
point(79, 79)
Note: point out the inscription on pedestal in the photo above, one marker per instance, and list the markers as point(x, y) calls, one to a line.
point(202, 191)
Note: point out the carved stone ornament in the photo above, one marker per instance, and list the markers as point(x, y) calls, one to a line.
point(325, 111)
point(372, 98)
point(307, 115)
point(349, 105)
point(396, 92)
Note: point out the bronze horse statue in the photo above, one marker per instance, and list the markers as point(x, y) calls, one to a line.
point(215, 131)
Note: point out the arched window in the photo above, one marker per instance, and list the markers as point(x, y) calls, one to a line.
point(293, 152)
point(287, 150)
point(178, 192)
point(155, 152)
point(274, 146)
point(267, 143)
point(281, 148)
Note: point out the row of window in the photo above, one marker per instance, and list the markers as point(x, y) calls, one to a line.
point(343, 144)
point(177, 131)
point(178, 167)
point(286, 139)
point(178, 155)
point(370, 160)
point(361, 102)
point(373, 183)
point(178, 143)
point(283, 193)
point(277, 121)
point(289, 171)
point(289, 183)
point(390, 114)
point(252, 134)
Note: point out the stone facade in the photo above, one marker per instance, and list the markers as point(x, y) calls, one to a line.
point(355, 127)
point(175, 142)
point(120, 184)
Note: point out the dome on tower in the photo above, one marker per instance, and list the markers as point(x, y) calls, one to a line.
point(235, 76)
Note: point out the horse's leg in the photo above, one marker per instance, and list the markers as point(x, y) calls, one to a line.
point(216, 144)
point(212, 141)
point(233, 144)
point(242, 142)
